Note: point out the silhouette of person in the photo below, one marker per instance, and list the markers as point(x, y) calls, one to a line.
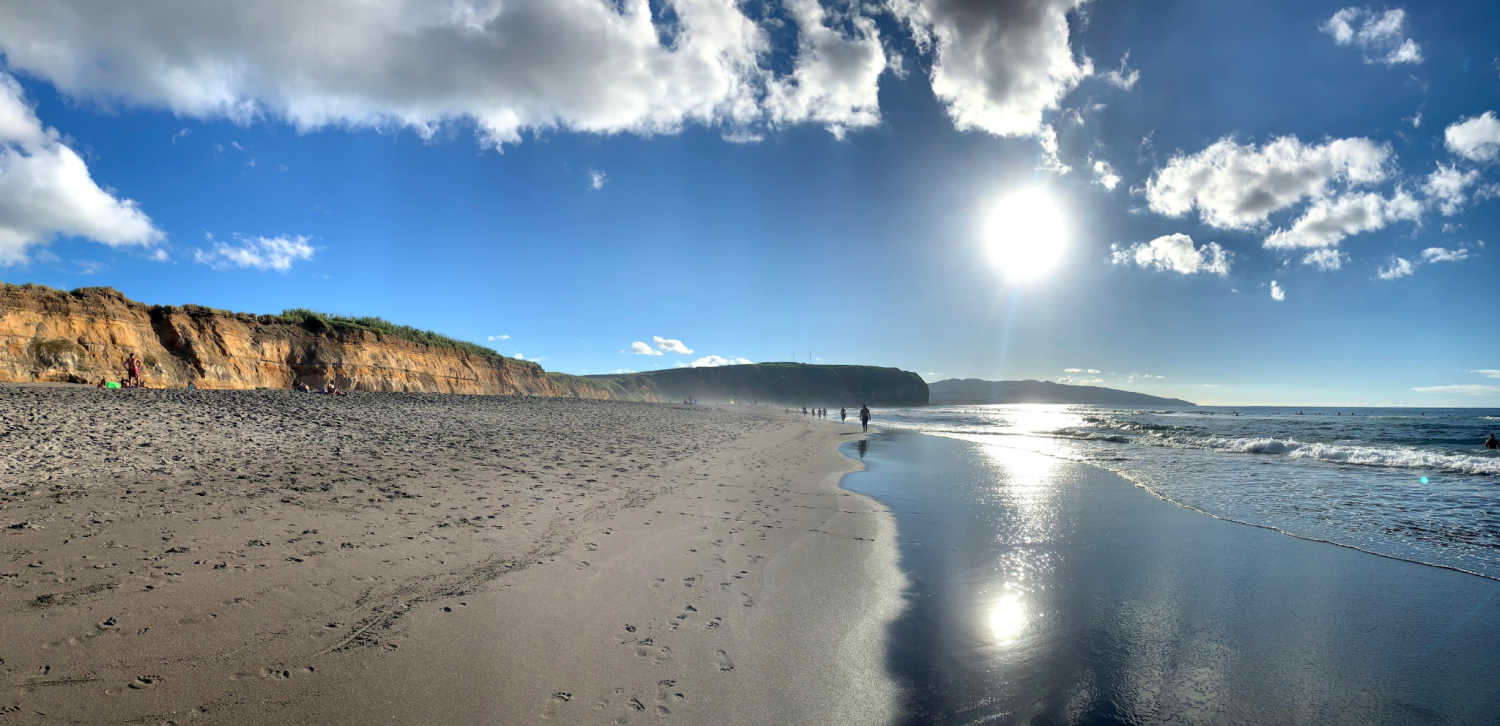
point(1491, 443)
point(864, 416)
point(843, 414)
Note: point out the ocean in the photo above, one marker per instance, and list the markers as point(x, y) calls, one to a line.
point(1414, 484)
point(1046, 584)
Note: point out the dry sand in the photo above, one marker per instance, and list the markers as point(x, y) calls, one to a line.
point(246, 557)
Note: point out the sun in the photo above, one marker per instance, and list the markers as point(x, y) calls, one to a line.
point(1025, 234)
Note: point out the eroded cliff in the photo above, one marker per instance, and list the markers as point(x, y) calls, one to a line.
point(85, 335)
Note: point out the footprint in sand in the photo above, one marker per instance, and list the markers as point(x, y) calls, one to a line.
point(554, 703)
point(725, 662)
point(143, 682)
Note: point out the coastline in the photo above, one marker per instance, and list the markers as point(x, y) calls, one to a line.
point(1059, 591)
point(238, 557)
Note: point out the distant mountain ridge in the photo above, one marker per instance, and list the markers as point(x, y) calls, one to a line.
point(789, 384)
point(974, 390)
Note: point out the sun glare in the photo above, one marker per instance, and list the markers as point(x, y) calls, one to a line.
point(1025, 234)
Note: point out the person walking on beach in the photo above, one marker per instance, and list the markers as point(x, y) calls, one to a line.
point(864, 416)
point(843, 414)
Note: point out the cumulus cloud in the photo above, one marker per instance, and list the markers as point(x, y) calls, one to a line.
point(1328, 221)
point(1476, 389)
point(507, 67)
point(671, 345)
point(260, 253)
point(1174, 252)
point(1123, 77)
point(998, 65)
point(834, 80)
point(1236, 186)
point(1476, 138)
point(1380, 35)
point(46, 189)
point(1325, 259)
point(1104, 174)
point(1278, 293)
point(1440, 254)
point(1449, 188)
point(597, 180)
point(641, 348)
point(1398, 267)
point(713, 361)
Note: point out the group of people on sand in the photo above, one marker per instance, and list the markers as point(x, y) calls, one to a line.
point(132, 377)
point(329, 389)
point(864, 414)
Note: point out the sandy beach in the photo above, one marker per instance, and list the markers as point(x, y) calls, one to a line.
point(270, 556)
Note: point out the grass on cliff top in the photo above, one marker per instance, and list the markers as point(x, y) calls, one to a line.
point(315, 321)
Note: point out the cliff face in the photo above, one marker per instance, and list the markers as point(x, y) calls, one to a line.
point(85, 335)
point(793, 384)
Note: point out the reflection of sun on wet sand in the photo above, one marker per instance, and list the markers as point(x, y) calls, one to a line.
point(280, 556)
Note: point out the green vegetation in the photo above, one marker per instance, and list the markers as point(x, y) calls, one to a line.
point(320, 322)
point(54, 352)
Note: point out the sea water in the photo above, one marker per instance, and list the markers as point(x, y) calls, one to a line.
point(1414, 484)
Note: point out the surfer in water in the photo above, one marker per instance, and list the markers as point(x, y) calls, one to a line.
point(1491, 443)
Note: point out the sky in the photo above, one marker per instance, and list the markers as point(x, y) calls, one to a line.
point(1273, 202)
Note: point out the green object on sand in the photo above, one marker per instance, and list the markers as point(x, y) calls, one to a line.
point(112, 384)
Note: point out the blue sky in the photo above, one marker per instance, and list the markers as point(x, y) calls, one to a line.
point(1268, 202)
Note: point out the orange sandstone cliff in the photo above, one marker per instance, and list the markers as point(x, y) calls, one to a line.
point(85, 335)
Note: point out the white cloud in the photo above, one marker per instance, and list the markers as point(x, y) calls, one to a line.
point(1461, 390)
point(671, 345)
point(181, 133)
point(1476, 138)
point(507, 67)
point(1104, 174)
point(1090, 371)
point(497, 338)
point(1381, 36)
point(1488, 372)
point(261, 253)
point(1328, 221)
point(640, 348)
point(159, 255)
point(1278, 293)
point(46, 189)
point(597, 179)
point(1440, 254)
point(1235, 186)
point(1123, 78)
point(1416, 120)
point(835, 76)
point(712, 361)
point(1399, 267)
point(1051, 161)
point(1449, 187)
point(999, 66)
point(1326, 258)
point(1174, 252)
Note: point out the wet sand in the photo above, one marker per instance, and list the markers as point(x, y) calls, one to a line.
point(1049, 591)
point(246, 557)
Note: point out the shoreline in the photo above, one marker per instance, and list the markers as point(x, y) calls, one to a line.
point(237, 557)
point(1055, 590)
